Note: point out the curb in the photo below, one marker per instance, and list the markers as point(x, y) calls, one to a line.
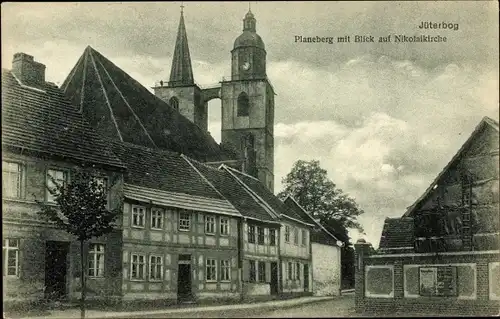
point(268, 304)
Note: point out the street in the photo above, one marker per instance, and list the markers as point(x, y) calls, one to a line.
point(337, 307)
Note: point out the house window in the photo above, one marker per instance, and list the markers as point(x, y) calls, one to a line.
point(157, 218)
point(96, 260)
point(251, 234)
point(253, 271)
point(262, 271)
point(12, 174)
point(243, 108)
point(138, 215)
point(209, 224)
point(155, 268)
point(260, 235)
point(272, 237)
point(55, 178)
point(438, 281)
point(225, 266)
point(295, 236)
point(184, 221)
point(290, 271)
point(304, 237)
point(211, 270)
point(297, 271)
point(287, 234)
point(10, 257)
point(138, 267)
point(224, 226)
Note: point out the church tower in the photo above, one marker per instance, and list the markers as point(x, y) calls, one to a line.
point(181, 92)
point(248, 105)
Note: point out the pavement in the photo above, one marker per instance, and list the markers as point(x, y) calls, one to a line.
point(234, 310)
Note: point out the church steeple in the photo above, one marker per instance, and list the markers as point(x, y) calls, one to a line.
point(181, 73)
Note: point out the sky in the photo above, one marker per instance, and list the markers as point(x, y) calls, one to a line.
point(382, 118)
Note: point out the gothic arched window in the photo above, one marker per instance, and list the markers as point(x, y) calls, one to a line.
point(174, 102)
point(243, 105)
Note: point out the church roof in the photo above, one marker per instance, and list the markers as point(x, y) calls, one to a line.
point(181, 72)
point(229, 187)
point(120, 108)
point(42, 121)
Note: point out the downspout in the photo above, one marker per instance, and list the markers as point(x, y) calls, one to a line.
point(240, 258)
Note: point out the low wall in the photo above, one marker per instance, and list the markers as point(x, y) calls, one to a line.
point(445, 283)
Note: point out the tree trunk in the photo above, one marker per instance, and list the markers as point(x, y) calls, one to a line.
point(84, 282)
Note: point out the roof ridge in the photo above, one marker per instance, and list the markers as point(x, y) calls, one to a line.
point(207, 181)
point(107, 98)
point(260, 200)
point(239, 172)
point(126, 102)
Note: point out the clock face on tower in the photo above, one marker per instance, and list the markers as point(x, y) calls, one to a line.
point(245, 66)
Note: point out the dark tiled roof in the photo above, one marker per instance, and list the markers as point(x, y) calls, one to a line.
point(233, 191)
point(120, 108)
point(397, 233)
point(42, 121)
point(263, 192)
point(160, 169)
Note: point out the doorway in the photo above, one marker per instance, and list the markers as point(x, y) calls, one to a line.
point(306, 277)
point(274, 278)
point(56, 253)
point(184, 292)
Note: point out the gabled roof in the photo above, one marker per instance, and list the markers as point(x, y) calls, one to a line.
point(486, 121)
point(42, 120)
point(233, 191)
point(262, 193)
point(299, 210)
point(162, 170)
point(120, 108)
point(397, 233)
point(181, 72)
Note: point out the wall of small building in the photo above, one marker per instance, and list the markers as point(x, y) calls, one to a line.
point(392, 284)
point(326, 269)
point(169, 243)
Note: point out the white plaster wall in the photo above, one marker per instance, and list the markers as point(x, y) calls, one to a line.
point(326, 270)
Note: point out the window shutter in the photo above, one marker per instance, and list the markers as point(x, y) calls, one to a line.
point(268, 272)
point(246, 270)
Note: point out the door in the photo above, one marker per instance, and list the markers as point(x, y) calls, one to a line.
point(306, 277)
point(274, 278)
point(184, 279)
point(56, 253)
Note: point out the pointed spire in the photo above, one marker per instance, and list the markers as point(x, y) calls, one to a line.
point(181, 72)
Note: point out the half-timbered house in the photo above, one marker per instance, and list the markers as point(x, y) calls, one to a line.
point(442, 255)
point(43, 136)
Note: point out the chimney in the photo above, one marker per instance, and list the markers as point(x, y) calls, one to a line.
point(28, 71)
